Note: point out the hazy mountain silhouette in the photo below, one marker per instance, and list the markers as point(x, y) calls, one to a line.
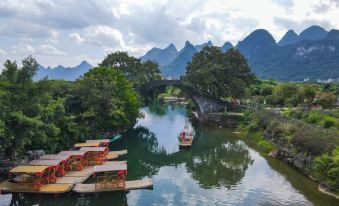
point(289, 38)
point(61, 72)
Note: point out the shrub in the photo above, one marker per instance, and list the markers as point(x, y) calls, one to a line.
point(313, 118)
point(314, 140)
point(274, 100)
point(326, 169)
point(325, 99)
point(307, 138)
point(265, 145)
point(328, 122)
point(257, 136)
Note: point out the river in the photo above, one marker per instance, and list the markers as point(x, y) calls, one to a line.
point(219, 169)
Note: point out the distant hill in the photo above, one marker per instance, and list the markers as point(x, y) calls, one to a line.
point(201, 46)
point(257, 44)
point(289, 38)
point(172, 62)
point(226, 46)
point(313, 33)
point(313, 54)
point(178, 66)
point(161, 56)
point(61, 72)
point(306, 59)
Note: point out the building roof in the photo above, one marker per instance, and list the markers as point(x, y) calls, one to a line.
point(28, 169)
point(45, 162)
point(87, 144)
point(72, 153)
point(108, 168)
point(93, 149)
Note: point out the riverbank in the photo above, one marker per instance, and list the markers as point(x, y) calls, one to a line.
point(303, 146)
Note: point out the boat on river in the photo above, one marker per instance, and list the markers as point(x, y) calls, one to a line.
point(186, 137)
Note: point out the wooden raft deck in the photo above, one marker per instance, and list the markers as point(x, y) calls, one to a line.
point(130, 185)
point(45, 189)
point(62, 185)
point(115, 154)
point(185, 145)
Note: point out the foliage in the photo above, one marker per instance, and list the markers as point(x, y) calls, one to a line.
point(23, 112)
point(170, 92)
point(326, 119)
point(219, 74)
point(326, 169)
point(304, 137)
point(107, 97)
point(136, 72)
point(325, 99)
point(53, 115)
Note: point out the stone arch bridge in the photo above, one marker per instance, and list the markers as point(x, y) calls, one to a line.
point(204, 103)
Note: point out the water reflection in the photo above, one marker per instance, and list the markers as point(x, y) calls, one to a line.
point(213, 163)
point(218, 170)
point(158, 109)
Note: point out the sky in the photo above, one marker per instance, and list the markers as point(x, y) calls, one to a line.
point(65, 32)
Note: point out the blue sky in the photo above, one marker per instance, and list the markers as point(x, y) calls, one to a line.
point(68, 31)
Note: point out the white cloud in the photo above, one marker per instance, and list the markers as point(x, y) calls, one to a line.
point(92, 28)
point(47, 49)
point(2, 52)
point(23, 49)
point(104, 35)
point(76, 38)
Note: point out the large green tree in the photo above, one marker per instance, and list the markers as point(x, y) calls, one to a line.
point(107, 100)
point(219, 74)
point(22, 101)
point(136, 72)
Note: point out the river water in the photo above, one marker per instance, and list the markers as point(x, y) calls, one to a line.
point(219, 169)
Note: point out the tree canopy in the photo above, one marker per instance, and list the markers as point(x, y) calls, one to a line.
point(54, 114)
point(107, 96)
point(219, 74)
point(136, 72)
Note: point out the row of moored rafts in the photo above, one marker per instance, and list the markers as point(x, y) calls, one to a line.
point(68, 170)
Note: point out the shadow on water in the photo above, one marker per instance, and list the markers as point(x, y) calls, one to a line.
point(118, 198)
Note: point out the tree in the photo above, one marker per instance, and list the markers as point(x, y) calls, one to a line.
point(107, 100)
point(308, 93)
point(22, 103)
point(326, 168)
point(219, 74)
point(136, 72)
point(10, 71)
point(325, 99)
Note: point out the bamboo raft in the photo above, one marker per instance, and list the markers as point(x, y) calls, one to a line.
point(65, 184)
point(130, 185)
point(115, 154)
point(60, 173)
point(10, 187)
point(183, 145)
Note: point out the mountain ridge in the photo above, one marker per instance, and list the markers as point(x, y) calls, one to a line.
point(61, 72)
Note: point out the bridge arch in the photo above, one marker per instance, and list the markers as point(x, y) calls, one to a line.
point(204, 103)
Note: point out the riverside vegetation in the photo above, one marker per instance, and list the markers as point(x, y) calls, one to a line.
point(54, 114)
point(300, 125)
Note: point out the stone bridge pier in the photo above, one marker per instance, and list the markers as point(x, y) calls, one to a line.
point(204, 103)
